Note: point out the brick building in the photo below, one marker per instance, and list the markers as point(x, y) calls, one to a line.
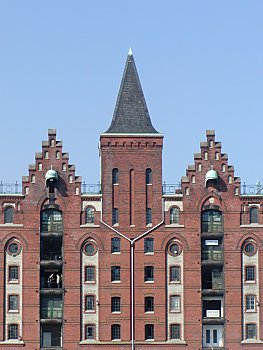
point(131, 264)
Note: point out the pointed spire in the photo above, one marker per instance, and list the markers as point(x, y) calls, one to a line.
point(131, 115)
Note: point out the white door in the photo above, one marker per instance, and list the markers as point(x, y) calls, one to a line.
point(213, 335)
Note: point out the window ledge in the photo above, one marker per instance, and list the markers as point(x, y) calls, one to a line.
point(252, 341)
point(115, 281)
point(252, 225)
point(174, 225)
point(149, 312)
point(177, 341)
point(88, 341)
point(148, 281)
point(116, 253)
point(12, 342)
point(89, 225)
point(116, 312)
point(11, 225)
point(149, 225)
point(149, 253)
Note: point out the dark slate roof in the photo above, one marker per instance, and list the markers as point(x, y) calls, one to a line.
point(131, 114)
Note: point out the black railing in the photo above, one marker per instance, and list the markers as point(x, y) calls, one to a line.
point(252, 189)
point(171, 188)
point(9, 188)
point(90, 188)
point(212, 255)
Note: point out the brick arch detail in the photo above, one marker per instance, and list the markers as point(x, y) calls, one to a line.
point(177, 236)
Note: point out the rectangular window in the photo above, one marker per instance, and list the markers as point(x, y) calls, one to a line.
point(250, 303)
point(115, 216)
point(89, 331)
point(251, 331)
point(250, 273)
point(13, 273)
point(148, 245)
point(207, 336)
point(148, 274)
point(148, 216)
point(115, 332)
point(148, 304)
point(90, 303)
point(149, 332)
point(175, 303)
point(115, 304)
point(175, 274)
point(90, 273)
point(115, 273)
point(12, 331)
point(13, 302)
point(175, 331)
point(115, 245)
point(214, 336)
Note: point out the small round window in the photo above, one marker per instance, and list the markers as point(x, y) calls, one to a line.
point(249, 248)
point(90, 248)
point(14, 248)
point(175, 249)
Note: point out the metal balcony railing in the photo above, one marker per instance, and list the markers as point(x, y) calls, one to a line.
point(51, 312)
point(212, 255)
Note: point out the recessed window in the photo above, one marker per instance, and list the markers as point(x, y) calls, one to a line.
point(175, 331)
point(205, 156)
point(90, 248)
point(230, 180)
point(251, 331)
point(174, 216)
point(223, 168)
point(89, 332)
point(46, 155)
point(175, 303)
point(13, 273)
point(193, 179)
point(149, 332)
point(236, 191)
point(64, 167)
point(115, 176)
point(148, 176)
point(70, 179)
point(90, 273)
point(115, 304)
point(175, 274)
point(186, 191)
point(14, 248)
point(89, 215)
point(115, 216)
point(33, 179)
point(250, 303)
point(250, 274)
point(39, 166)
point(8, 215)
point(57, 155)
point(115, 274)
point(253, 215)
point(148, 245)
point(90, 303)
point(77, 191)
point(212, 221)
point(115, 332)
point(199, 167)
point(148, 274)
point(148, 216)
point(149, 304)
point(13, 302)
point(52, 143)
point(217, 156)
point(211, 143)
point(26, 190)
point(174, 249)
point(115, 245)
point(12, 331)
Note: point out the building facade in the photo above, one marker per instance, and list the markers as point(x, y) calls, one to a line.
point(131, 263)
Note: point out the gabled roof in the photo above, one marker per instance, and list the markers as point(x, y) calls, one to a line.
point(131, 114)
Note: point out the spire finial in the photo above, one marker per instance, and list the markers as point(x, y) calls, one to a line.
point(130, 51)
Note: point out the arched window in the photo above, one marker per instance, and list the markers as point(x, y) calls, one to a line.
point(58, 155)
point(64, 167)
point(148, 176)
point(217, 156)
point(115, 176)
point(223, 168)
point(205, 156)
point(254, 215)
point(70, 179)
point(51, 221)
point(212, 221)
point(89, 215)
point(8, 215)
point(33, 179)
point(193, 179)
point(174, 216)
point(199, 167)
point(46, 155)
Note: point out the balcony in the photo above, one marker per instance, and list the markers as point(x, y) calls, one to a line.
point(212, 255)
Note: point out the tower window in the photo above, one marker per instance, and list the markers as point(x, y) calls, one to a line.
point(115, 332)
point(39, 166)
point(149, 304)
point(115, 304)
point(148, 245)
point(148, 176)
point(8, 215)
point(46, 155)
point(64, 167)
point(115, 216)
point(57, 155)
point(250, 274)
point(230, 180)
point(89, 215)
point(254, 215)
point(217, 156)
point(115, 176)
point(148, 274)
point(148, 216)
point(205, 156)
point(115, 245)
point(174, 216)
point(223, 168)
point(199, 167)
point(33, 179)
point(149, 332)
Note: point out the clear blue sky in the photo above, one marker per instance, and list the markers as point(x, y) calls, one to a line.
point(200, 65)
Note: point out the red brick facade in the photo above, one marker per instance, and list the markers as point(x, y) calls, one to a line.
point(136, 265)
